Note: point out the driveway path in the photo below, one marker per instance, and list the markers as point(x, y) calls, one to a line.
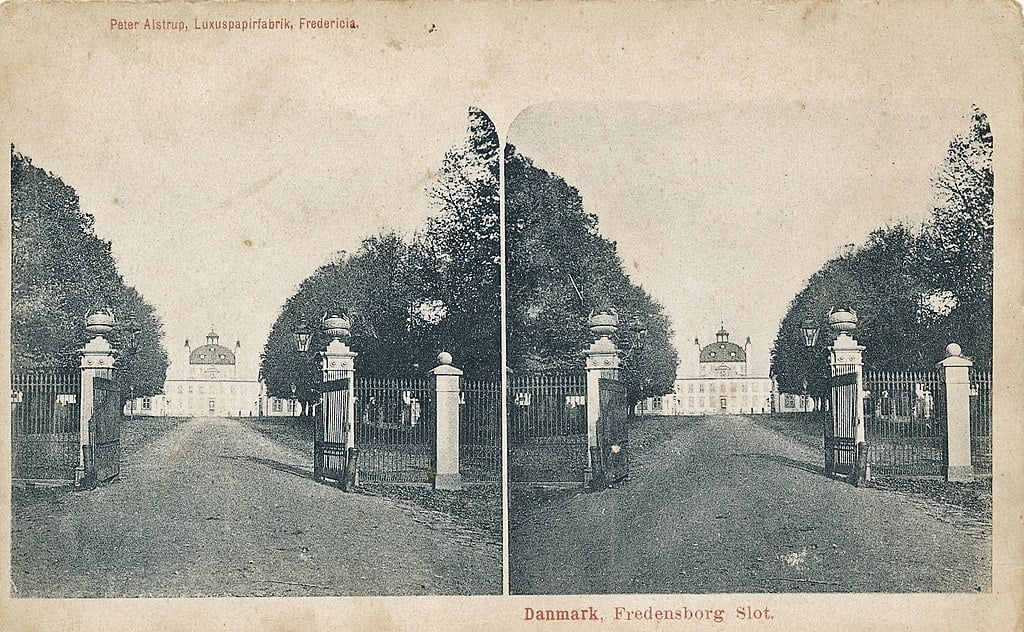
point(725, 505)
point(211, 507)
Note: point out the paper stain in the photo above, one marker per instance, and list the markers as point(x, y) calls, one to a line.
point(796, 559)
point(247, 243)
point(252, 189)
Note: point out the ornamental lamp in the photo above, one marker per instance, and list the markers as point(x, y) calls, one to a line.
point(302, 336)
point(809, 330)
point(133, 337)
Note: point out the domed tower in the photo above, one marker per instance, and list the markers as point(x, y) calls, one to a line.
point(722, 358)
point(211, 361)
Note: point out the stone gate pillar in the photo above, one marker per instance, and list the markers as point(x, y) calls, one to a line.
point(447, 397)
point(338, 363)
point(846, 356)
point(97, 361)
point(602, 358)
point(956, 374)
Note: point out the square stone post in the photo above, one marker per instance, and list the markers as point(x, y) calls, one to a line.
point(602, 362)
point(338, 363)
point(447, 394)
point(956, 375)
point(843, 354)
point(97, 362)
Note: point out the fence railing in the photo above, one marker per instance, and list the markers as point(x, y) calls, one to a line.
point(45, 424)
point(395, 428)
point(480, 430)
point(547, 427)
point(981, 421)
point(905, 422)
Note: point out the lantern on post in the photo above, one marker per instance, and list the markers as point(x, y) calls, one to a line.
point(809, 331)
point(302, 336)
point(133, 337)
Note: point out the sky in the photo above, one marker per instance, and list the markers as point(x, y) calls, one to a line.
point(722, 210)
point(226, 167)
point(222, 181)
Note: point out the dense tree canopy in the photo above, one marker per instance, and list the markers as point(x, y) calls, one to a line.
point(558, 270)
point(914, 290)
point(410, 301)
point(60, 272)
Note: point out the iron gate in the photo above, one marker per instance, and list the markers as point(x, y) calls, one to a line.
point(547, 427)
point(104, 462)
point(905, 422)
point(840, 420)
point(480, 430)
point(329, 438)
point(395, 426)
point(45, 422)
point(612, 464)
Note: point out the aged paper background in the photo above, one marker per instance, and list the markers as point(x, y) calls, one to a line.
point(504, 57)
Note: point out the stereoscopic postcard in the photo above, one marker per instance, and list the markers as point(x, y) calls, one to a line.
point(668, 315)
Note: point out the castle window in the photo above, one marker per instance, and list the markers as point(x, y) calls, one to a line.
point(277, 405)
point(691, 387)
point(712, 387)
point(702, 389)
point(147, 403)
point(744, 387)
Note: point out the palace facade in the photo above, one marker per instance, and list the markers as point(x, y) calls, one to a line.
point(723, 385)
point(205, 381)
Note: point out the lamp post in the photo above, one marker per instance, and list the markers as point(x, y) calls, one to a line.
point(132, 347)
point(635, 340)
point(845, 431)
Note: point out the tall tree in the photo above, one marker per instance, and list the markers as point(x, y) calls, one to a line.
point(60, 272)
point(459, 254)
point(914, 291)
point(377, 288)
point(957, 243)
point(412, 301)
point(558, 270)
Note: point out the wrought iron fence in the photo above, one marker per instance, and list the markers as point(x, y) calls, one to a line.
point(45, 424)
point(547, 427)
point(981, 421)
point(480, 430)
point(395, 425)
point(905, 422)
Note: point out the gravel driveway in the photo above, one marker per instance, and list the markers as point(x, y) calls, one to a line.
point(211, 507)
point(723, 505)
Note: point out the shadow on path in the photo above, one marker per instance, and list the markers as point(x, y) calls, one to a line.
point(788, 462)
point(272, 464)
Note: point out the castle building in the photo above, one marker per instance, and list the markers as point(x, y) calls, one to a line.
point(721, 385)
point(206, 381)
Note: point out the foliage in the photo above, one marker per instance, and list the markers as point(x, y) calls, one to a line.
point(410, 301)
point(558, 270)
point(458, 257)
point(60, 272)
point(914, 291)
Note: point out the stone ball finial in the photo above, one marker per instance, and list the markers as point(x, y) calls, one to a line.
point(444, 358)
point(953, 350)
